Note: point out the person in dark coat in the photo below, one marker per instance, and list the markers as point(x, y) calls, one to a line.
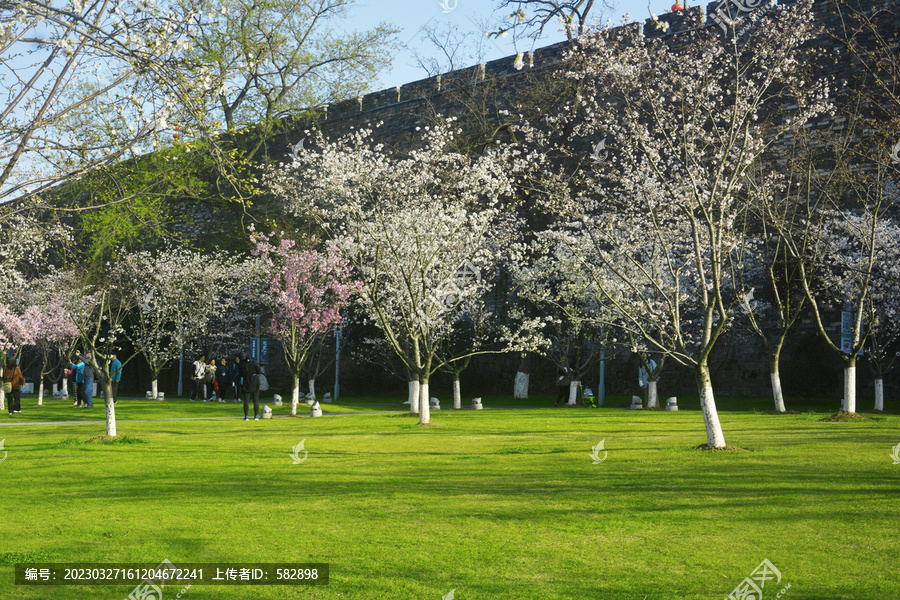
point(250, 374)
point(234, 374)
point(223, 379)
point(12, 375)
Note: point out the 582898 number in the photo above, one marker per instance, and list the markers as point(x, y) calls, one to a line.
point(296, 574)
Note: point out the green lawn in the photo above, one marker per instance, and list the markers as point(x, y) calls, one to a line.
point(494, 504)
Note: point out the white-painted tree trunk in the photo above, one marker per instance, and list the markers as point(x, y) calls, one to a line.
point(879, 394)
point(312, 388)
point(850, 388)
point(110, 416)
point(777, 393)
point(295, 395)
point(652, 396)
point(414, 397)
point(573, 392)
point(714, 436)
point(65, 387)
point(424, 404)
point(154, 388)
point(2, 399)
point(41, 392)
point(457, 398)
point(520, 389)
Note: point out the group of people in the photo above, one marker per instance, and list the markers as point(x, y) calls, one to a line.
point(81, 378)
point(219, 380)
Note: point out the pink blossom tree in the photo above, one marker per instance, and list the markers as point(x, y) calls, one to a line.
point(306, 292)
point(54, 328)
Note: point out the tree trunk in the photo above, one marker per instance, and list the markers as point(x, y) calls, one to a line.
point(523, 378)
point(424, 403)
point(879, 394)
point(520, 389)
point(777, 393)
point(41, 392)
point(714, 436)
point(573, 392)
point(414, 397)
point(65, 387)
point(850, 385)
point(110, 408)
point(312, 388)
point(2, 399)
point(457, 398)
point(652, 396)
point(154, 387)
point(295, 395)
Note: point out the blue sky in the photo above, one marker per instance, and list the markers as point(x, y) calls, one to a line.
point(411, 16)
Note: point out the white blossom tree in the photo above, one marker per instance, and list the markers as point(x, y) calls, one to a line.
point(418, 230)
point(175, 292)
point(681, 126)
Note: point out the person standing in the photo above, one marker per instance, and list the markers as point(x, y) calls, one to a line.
point(115, 373)
point(78, 369)
point(210, 378)
point(250, 374)
point(13, 382)
point(234, 373)
point(87, 360)
point(562, 385)
point(198, 378)
point(222, 380)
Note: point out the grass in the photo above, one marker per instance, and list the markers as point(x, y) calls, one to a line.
point(496, 504)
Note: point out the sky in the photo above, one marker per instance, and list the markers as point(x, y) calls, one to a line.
point(469, 17)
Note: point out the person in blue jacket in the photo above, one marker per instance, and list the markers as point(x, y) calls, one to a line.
point(115, 374)
point(78, 368)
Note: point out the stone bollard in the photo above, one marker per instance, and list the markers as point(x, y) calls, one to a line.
point(160, 396)
point(476, 404)
point(672, 403)
point(327, 398)
point(435, 404)
point(278, 401)
point(266, 412)
point(149, 395)
point(636, 403)
point(315, 410)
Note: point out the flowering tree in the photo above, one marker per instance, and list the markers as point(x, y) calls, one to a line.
point(570, 331)
point(67, 60)
point(99, 310)
point(851, 260)
point(175, 291)
point(307, 291)
point(54, 330)
point(418, 230)
point(681, 126)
